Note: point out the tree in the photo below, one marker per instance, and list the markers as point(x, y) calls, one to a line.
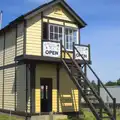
point(118, 81)
point(110, 83)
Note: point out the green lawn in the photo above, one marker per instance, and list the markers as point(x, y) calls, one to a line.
point(7, 117)
point(88, 116)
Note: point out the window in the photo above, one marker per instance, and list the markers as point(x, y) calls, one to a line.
point(56, 33)
point(71, 36)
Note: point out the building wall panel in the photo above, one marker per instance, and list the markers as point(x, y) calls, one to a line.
point(1, 49)
point(9, 88)
point(33, 36)
point(20, 37)
point(1, 87)
point(68, 99)
point(21, 88)
point(10, 38)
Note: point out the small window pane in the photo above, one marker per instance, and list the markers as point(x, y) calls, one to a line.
point(56, 37)
point(60, 37)
point(51, 36)
point(70, 32)
point(66, 31)
point(42, 92)
point(60, 29)
point(46, 92)
point(56, 29)
point(51, 28)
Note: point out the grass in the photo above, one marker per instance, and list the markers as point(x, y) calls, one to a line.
point(7, 117)
point(88, 116)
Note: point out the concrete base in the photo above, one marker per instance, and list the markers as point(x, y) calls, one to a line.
point(49, 117)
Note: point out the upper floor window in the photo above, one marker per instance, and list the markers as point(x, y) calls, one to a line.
point(71, 35)
point(66, 34)
point(56, 33)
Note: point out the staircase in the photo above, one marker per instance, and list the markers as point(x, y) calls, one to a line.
point(81, 81)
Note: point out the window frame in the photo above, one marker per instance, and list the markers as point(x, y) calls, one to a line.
point(77, 37)
point(64, 36)
point(58, 31)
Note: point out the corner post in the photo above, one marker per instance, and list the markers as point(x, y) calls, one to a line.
point(61, 48)
point(114, 107)
point(73, 50)
point(89, 52)
point(26, 92)
point(58, 85)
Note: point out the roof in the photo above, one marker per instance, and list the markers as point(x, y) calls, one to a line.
point(44, 7)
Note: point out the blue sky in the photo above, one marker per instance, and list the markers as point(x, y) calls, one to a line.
point(102, 31)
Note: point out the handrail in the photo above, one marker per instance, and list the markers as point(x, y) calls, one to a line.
point(94, 73)
point(99, 82)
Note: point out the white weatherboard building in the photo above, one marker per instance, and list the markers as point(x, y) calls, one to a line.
point(115, 92)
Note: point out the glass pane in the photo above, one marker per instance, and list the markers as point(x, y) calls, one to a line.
point(56, 29)
point(60, 37)
point(70, 32)
point(60, 29)
point(75, 36)
point(51, 36)
point(66, 42)
point(51, 28)
point(71, 46)
point(46, 92)
point(66, 31)
point(56, 37)
point(42, 92)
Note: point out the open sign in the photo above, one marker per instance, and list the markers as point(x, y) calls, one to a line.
point(51, 49)
point(84, 51)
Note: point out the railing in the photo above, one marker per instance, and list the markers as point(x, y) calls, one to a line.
point(99, 82)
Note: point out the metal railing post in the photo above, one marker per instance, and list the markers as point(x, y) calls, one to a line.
point(114, 107)
point(99, 87)
point(61, 48)
point(73, 50)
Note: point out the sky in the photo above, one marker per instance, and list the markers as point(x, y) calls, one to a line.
point(102, 31)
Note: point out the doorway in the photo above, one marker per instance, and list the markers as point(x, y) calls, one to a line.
point(46, 94)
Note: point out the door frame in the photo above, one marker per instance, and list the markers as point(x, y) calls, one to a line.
point(43, 79)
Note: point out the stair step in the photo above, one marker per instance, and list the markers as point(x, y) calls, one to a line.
point(93, 99)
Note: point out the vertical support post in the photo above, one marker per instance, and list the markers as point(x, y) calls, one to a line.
point(114, 107)
point(89, 52)
point(61, 48)
point(32, 88)
point(42, 34)
point(99, 87)
point(24, 46)
point(58, 85)
point(85, 72)
point(15, 65)
point(3, 70)
point(99, 95)
point(26, 92)
point(73, 50)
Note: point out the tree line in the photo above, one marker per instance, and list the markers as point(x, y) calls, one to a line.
point(109, 83)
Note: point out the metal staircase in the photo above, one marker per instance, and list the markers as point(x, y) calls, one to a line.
point(81, 81)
